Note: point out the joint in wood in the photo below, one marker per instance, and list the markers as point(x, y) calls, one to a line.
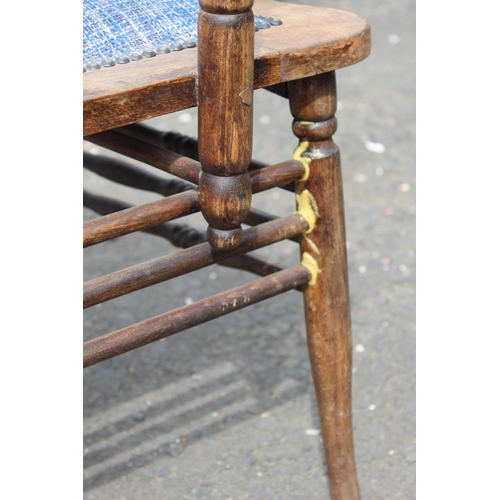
point(298, 155)
point(307, 207)
point(312, 264)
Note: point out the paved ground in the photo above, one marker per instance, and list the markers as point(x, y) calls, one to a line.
point(227, 410)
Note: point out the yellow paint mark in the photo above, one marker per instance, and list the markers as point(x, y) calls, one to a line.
point(303, 145)
point(307, 207)
point(312, 246)
point(310, 262)
point(297, 155)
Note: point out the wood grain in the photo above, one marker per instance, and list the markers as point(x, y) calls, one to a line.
point(137, 218)
point(261, 179)
point(326, 302)
point(132, 176)
point(170, 266)
point(180, 235)
point(310, 41)
point(225, 117)
point(123, 172)
point(140, 334)
point(174, 141)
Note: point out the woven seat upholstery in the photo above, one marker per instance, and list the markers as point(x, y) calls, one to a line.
point(118, 30)
point(122, 27)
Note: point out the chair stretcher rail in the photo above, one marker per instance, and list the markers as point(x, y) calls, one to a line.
point(185, 203)
point(140, 217)
point(163, 159)
point(123, 173)
point(140, 334)
point(181, 235)
point(170, 266)
point(178, 143)
point(263, 178)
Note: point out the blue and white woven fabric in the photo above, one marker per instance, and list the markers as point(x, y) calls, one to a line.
point(120, 31)
point(122, 27)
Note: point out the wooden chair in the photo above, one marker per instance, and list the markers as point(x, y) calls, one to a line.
point(292, 51)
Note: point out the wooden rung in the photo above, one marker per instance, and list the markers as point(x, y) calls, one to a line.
point(252, 264)
point(182, 236)
point(124, 173)
point(282, 174)
point(170, 266)
point(178, 143)
point(256, 217)
point(136, 218)
point(128, 175)
point(145, 332)
point(185, 203)
point(163, 159)
point(174, 141)
point(181, 144)
point(279, 175)
point(104, 205)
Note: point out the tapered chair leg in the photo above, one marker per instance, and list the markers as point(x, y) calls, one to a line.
point(326, 297)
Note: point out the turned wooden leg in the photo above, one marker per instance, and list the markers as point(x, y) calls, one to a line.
point(225, 95)
point(326, 297)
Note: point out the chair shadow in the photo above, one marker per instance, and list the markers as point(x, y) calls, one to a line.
point(135, 431)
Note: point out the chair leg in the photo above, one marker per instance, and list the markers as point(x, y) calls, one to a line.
point(225, 107)
point(326, 297)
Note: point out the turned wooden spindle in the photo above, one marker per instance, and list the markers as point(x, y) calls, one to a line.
point(313, 104)
point(225, 98)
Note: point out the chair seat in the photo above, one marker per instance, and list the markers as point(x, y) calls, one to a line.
point(121, 31)
point(120, 28)
point(310, 40)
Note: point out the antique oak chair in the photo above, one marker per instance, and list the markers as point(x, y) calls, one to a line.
point(145, 58)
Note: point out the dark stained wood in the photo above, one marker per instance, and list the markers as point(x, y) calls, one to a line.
point(327, 302)
point(140, 334)
point(140, 217)
point(304, 51)
point(184, 236)
point(225, 203)
point(260, 179)
point(176, 142)
point(256, 217)
point(160, 158)
point(122, 172)
point(279, 175)
point(311, 40)
point(178, 205)
point(255, 265)
point(164, 268)
point(225, 117)
point(181, 235)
